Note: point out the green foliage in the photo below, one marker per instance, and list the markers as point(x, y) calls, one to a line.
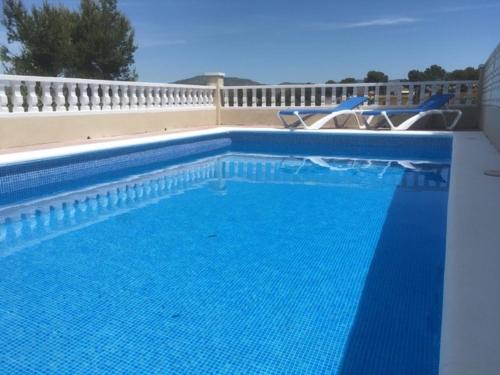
point(96, 41)
point(466, 74)
point(330, 81)
point(437, 73)
point(375, 76)
point(348, 80)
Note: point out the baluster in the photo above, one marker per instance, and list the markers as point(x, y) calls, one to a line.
point(171, 99)
point(115, 98)
point(149, 97)
point(323, 96)
point(141, 99)
point(189, 97)
point(196, 96)
point(133, 97)
point(235, 98)
point(411, 94)
point(244, 99)
point(16, 96)
point(377, 95)
point(46, 97)
point(106, 99)
point(124, 98)
point(177, 96)
point(422, 95)
point(84, 97)
point(254, 97)
point(264, 97)
point(292, 97)
point(183, 97)
point(163, 97)
point(205, 94)
point(60, 99)
point(31, 98)
point(3, 97)
point(344, 94)
point(72, 98)
point(313, 96)
point(399, 89)
point(469, 94)
point(95, 99)
point(211, 94)
point(366, 90)
point(302, 96)
point(283, 97)
point(273, 97)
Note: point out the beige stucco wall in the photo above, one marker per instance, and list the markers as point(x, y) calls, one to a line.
point(267, 116)
point(40, 129)
point(490, 123)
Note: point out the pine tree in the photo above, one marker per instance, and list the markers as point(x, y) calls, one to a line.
point(96, 41)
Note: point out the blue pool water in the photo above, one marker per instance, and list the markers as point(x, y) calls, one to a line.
point(243, 253)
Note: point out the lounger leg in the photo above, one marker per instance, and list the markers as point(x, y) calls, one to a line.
point(456, 120)
point(285, 124)
point(384, 113)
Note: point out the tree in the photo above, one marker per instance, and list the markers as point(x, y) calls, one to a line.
point(375, 76)
point(104, 40)
point(466, 74)
point(348, 80)
point(44, 35)
point(330, 81)
point(435, 73)
point(96, 41)
point(416, 75)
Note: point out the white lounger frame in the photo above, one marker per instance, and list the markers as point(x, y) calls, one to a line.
point(322, 121)
point(405, 125)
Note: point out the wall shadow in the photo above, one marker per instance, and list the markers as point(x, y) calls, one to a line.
point(398, 321)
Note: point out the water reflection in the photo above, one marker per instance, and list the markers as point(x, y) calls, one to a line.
point(31, 222)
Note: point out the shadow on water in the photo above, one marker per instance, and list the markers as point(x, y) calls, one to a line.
point(398, 321)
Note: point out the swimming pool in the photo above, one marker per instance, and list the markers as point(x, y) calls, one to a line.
point(238, 252)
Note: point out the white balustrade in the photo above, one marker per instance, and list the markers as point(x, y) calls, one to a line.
point(20, 94)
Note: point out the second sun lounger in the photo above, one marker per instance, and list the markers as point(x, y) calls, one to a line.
point(345, 108)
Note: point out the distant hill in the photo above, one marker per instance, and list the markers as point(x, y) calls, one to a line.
point(228, 81)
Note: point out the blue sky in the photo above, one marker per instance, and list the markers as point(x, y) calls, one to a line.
point(275, 40)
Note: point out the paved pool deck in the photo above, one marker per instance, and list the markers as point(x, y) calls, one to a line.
point(470, 340)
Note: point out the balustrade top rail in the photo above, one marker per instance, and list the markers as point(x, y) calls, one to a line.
point(20, 94)
point(379, 94)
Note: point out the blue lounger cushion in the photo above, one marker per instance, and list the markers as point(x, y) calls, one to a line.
point(434, 102)
point(350, 103)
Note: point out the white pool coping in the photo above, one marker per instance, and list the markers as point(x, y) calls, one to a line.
point(49, 153)
point(470, 341)
point(470, 338)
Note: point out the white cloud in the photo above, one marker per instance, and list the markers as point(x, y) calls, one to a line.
point(377, 22)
